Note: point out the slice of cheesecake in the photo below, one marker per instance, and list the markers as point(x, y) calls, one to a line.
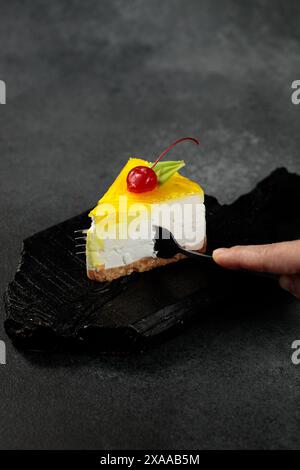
point(121, 237)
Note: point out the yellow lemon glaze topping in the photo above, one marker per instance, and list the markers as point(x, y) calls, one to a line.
point(176, 187)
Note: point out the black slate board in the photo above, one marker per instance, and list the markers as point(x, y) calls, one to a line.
point(52, 305)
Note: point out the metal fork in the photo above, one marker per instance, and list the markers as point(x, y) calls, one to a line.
point(79, 236)
point(166, 246)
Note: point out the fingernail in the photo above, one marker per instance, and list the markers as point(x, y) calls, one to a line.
point(286, 283)
point(219, 253)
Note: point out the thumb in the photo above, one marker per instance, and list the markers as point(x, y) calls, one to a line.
point(281, 258)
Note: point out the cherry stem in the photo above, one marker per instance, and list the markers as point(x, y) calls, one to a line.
point(173, 145)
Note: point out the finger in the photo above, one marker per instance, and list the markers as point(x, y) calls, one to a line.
point(282, 258)
point(291, 283)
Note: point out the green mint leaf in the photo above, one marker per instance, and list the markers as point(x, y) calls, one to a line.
point(165, 170)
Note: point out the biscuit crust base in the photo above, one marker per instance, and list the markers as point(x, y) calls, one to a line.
point(141, 265)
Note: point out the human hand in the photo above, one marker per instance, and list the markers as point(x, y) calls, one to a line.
point(280, 258)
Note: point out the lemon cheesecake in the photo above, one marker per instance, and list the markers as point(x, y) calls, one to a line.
point(121, 238)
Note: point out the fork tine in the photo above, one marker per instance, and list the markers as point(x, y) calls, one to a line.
point(80, 234)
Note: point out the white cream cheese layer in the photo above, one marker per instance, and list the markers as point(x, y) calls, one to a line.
point(184, 218)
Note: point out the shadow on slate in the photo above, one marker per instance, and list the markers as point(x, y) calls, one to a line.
point(51, 305)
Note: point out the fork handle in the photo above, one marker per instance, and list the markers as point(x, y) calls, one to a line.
point(196, 254)
point(208, 258)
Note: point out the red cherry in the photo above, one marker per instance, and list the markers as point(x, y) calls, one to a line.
point(141, 179)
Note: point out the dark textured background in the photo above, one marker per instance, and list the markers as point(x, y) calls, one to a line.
point(89, 84)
